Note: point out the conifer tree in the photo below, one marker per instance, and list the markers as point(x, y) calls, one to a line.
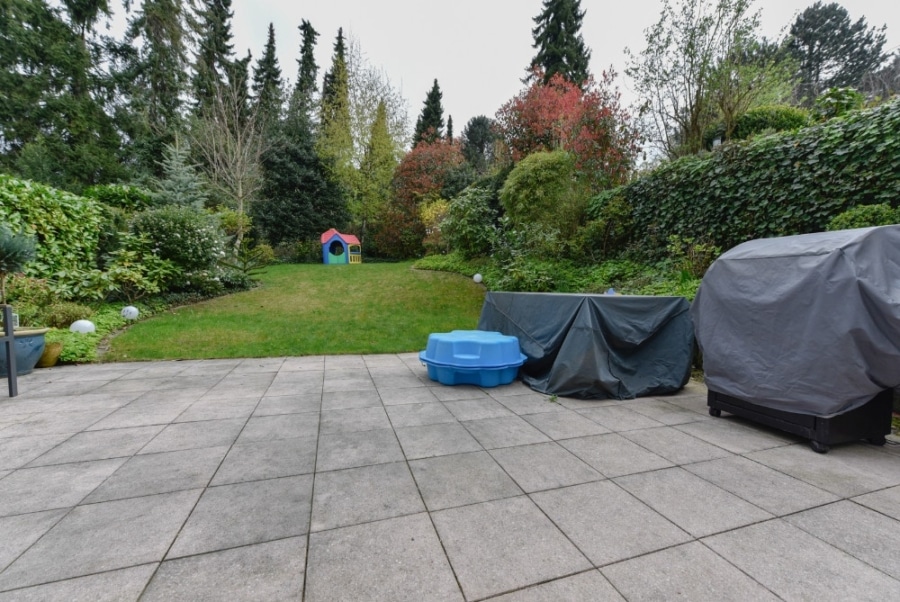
point(376, 172)
point(430, 124)
point(450, 128)
point(335, 141)
point(267, 80)
point(181, 184)
point(307, 68)
point(213, 60)
point(559, 44)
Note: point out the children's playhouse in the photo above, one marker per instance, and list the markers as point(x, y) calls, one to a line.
point(340, 248)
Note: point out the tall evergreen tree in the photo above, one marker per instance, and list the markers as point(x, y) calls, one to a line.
point(430, 124)
point(299, 200)
point(307, 70)
point(180, 184)
point(213, 60)
point(450, 128)
point(335, 141)
point(832, 50)
point(267, 80)
point(478, 143)
point(376, 172)
point(559, 44)
point(154, 78)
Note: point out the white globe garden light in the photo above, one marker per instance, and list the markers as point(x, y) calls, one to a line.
point(130, 312)
point(477, 278)
point(83, 326)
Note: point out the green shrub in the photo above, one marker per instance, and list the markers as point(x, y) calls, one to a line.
point(63, 313)
point(135, 272)
point(767, 119)
point(67, 227)
point(469, 226)
point(542, 189)
point(608, 229)
point(692, 256)
point(189, 238)
point(836, 102)
point(121, 196)
point(864, 216)
point(16, 250)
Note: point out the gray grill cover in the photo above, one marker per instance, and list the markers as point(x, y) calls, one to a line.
point(596, 346)
point(807, 324)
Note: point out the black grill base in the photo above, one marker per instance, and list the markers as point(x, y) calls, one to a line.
point(871, 421)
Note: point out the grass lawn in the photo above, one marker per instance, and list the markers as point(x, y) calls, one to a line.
point(311, 310)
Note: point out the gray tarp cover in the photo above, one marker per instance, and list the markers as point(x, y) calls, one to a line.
point(807, 324)
point(596, 346)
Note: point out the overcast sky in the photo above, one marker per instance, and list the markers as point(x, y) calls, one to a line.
point(478, 49)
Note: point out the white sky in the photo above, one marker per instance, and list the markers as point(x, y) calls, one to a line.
point(478, 49)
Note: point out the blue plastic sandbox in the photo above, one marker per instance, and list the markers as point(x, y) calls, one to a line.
point(472, 357)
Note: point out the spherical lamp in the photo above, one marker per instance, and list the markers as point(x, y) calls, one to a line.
point(477, 278)
point(83, 326)
point(130, 312)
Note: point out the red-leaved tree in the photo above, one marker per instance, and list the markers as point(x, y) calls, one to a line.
point(591, 124)
point(420, 177)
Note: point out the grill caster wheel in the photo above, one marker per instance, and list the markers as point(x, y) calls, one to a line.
point(715, 412)
point(819, 448)
point(879, 441)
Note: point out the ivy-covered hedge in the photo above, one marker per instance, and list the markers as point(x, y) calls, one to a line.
point(67, 226)
point(788, 183)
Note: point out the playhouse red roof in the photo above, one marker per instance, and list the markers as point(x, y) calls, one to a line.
point(347, 238)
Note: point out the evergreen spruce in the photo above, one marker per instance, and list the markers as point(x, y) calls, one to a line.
point(430, 124)
point(376, 173)
point(213, 60)
point(478, 143)
point(450, 128)
point(267, 81)
point(307, 68)
point(335, 141)
point(181, 184)
point(557, 39)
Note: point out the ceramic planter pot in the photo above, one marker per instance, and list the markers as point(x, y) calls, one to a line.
point(29, 345)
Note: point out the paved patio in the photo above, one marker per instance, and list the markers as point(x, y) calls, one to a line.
point(357, 478)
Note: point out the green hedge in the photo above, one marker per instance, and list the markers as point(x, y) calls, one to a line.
point(788, 183)
point(67, 226)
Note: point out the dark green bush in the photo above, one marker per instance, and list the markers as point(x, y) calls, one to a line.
point(121, 196)
point(607, 230)
point(189, 238)
point(62, 314)
point(469, 226)
point(767, 119)
point(864, 216)
point(836, 102)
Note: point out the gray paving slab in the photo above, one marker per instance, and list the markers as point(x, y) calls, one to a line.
point(362, 448)
point(505, 431)
point(503, 545)
point(98, 445)
point(310, 362)
point(529, 403)
point(613, 455)
point(735, 435)
point(436, 440)
point(589, 586)
point(103, 537)
point(56, 486)
point(282, 426)
point(863, 533)
point(664, 411)
point(160, 473)
point(193, 435)
point(288, 404)
point(391, 396)
point(366, 494)
point(211, 407)
point(797, 566)
point(769, 489)
point(18, 532)
point(111, 586)
point(886, 501)
point(695, 505)
point(847, 470)
point(619, 418)
point(266, 571)
point(461, 479)
point(476, 409)
point(606, 523)
point(254, 512)
point(544, 466)
point(48, 423)
point(564, 424)
point(142, 414)
point(689, 572)
point(16, 452)
point(354, 419)
point(457, 393)
point(345, 400)
point(399, 559)
point(258, 460)
point(418, 414)
point(674, 445)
